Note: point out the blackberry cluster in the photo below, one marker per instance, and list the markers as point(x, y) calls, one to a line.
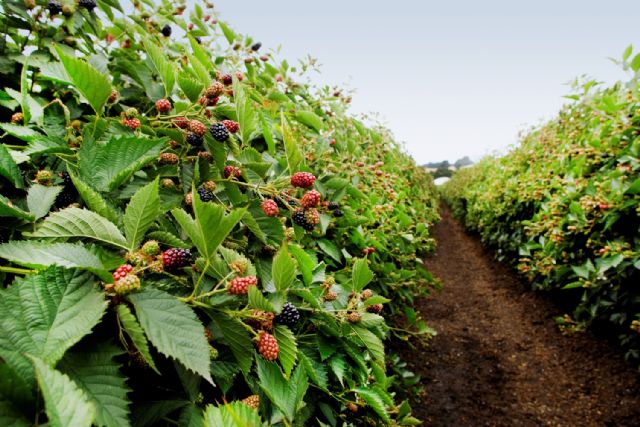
point(88, 4)
point(166, 30)
point(289, 315)
point(205, 195)
point(54, 7)
point(300, 218)
point(175, 258)
point(194, 139)
point(219, 132)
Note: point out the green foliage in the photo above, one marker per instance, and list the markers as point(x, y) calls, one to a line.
point(169, 341)
point(563, 206)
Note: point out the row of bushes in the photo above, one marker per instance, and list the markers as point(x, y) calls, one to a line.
point(190, 236)
point(564, 206)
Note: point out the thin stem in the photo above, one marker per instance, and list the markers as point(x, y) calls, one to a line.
point(16, 270)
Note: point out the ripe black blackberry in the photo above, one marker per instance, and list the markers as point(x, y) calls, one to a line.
point(66, 197)
point(54, 7)
point(256, 46)
point(205, 195)
point(299, 218)
point(88, 4)
point(66, 178)
point(166, 30)
point(338, 213)
point(194, 139)
point(175, 258)
point(289, 315)
point(333, 205)
point(219, 132)
point(280, 200)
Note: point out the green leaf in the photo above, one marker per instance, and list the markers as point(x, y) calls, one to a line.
point(192, 88)
point(228, 32)
point(94, 200)
point(286, 395)
point(245, 111)
point(42, 254)
point(21, 132)
point(65, 403)
point(283, 270)
point(235, 414)
point(330, 249)
point(45, 314)
point(288, 349)
point(338, 367)
point(237, 338)
point(305, 262)
point(267, 134)
point(163, 66)
point(316, 371)
point(309, 119)
point(198, 51)
point(258, 301)
point(294, 157)
point(191, 416)
point(375, 402)
point(76, 222)
point(173, 328)
point(16, 399)
point(142, 210)
point(93, 85)
point(98, 375)
point(40, 199)
point(7, 208)
point(361, 274)
point(9, 169)
point(635, 187)
point(135, 333)
point(168, 239)
point(107, 166)
point(371, 341)
point(635, 63)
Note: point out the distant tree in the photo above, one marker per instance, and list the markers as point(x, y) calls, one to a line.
point(440, 172)
point(465, 161)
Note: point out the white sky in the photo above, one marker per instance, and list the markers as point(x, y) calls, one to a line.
point(450, 78)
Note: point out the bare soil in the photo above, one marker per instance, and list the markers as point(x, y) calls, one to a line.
point(500, 360)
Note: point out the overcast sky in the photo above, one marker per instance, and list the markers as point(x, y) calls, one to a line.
point(449, 78)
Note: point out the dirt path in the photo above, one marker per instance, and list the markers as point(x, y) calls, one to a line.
point(499, 359)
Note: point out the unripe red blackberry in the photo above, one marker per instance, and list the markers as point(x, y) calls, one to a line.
point(127, 284)
point(132, 123)
point(197, 127)
point(366, 294)
point(240, 285)
point(209, 185)
point(261, 320)
point(17, 118)
point(166, 30)
point(303, 179)
point(205, 155)
point(332, 141)
point(122, 271)
point(205, 195)
point(114, 96)
point(368, 251)
point(227, 79)
point(252, 401)
point(239, 76)
point(169, 159)
point(270, 208)
point(163, 105)
point(231, 172)
point(375, 308)
point(219, 132)
point(151, 248)
point(194, 139)
point(311, 199)
point(215, 90)
point(352, 407)
point(175, 258)
point(267, 346)
point(354, 317)
point(44, 177)
point(181, 122)
point(289, 315)
point(231, 126)
point(208, 102)
point(330, 296)
point(312, 215)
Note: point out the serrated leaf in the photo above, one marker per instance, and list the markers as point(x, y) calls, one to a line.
point(286, 395)
point(305, 262)
point(94, 200)
point(65, 403)
point(192, 88)
point(142, 210)
point(361, 275)
point(309, 119)
point(45, 314)
point(371, 342)
point(228, 32)
point(237, 338)
point(109, 165)
point(168, 239)
point(40, 199)
point(288, 348)
point(245, 111)
point(235, 414)
point(203, 56)
point(173, 328)
point(283, 270)
point(9, 169)
point(76, 222)
point(135, 333)
point(375, 402)
point(330, 249)
point(163, 66)
point(8, 209)
point(326, 346)
point(292, 152)
point(93, 85)
point(98, 375)
point(191, 416)
point(338, 367)
point(42, 254)
point(21, 132)
point(258, 301)
point(316, 371)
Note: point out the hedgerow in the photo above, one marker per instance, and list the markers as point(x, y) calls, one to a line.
point(189, 235)
point(564, 206)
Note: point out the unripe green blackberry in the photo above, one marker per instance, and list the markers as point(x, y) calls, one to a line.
point(127, 284)
point(151, 248)
point(44, 177)
point(131, 113)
